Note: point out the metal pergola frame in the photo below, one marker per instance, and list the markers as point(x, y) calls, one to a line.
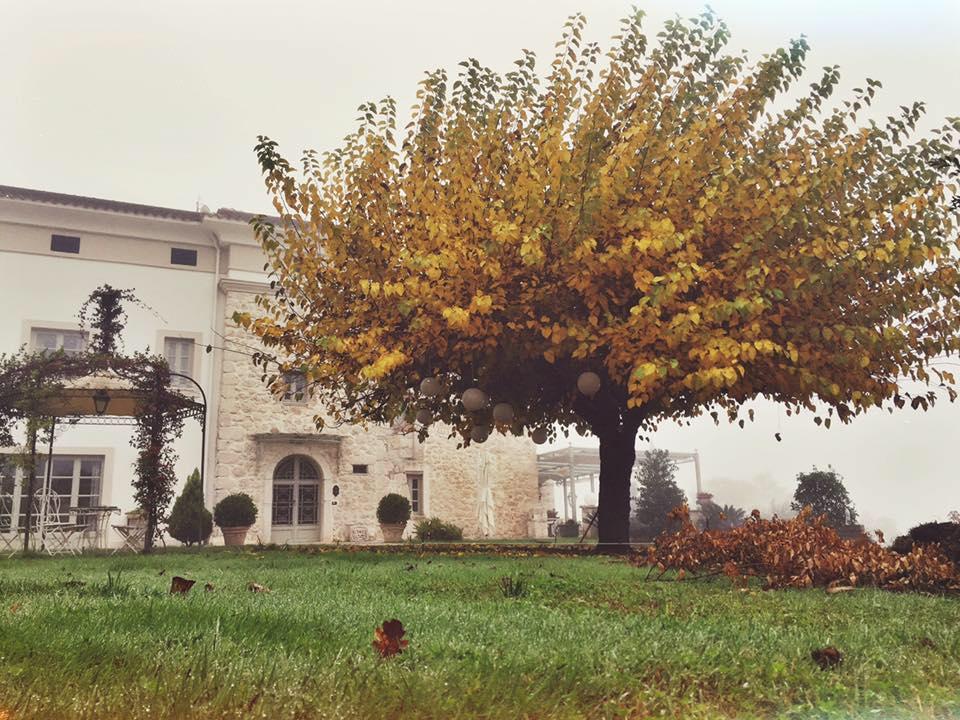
point(79, 406)
point(572, 464)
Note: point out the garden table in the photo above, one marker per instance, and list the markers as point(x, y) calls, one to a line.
point(97, 517)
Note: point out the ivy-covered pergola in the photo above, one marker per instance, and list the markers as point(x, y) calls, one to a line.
point(100, 385)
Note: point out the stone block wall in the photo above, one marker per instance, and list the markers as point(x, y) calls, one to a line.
point(256, 431)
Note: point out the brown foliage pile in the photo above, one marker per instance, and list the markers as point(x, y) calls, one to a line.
point(801, 552)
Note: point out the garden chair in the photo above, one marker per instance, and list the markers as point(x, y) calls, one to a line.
point(58, 535)
point(9, 533)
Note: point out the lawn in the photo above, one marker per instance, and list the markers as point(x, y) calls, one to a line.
point(101, 637)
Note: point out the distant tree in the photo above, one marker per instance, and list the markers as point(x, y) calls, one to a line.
point(726, 517)
point(824, 492)
point(190, 522)
point(658, 492)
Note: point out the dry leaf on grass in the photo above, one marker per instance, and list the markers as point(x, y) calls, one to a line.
point(388, 638)
point(208, 587)
point(181, 586)
point(828, 657)
point(838, 586)
point(257, 588)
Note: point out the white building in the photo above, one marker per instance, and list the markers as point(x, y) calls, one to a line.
point(193, 270)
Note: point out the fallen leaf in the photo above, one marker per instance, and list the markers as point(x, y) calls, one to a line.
point(13, 609)
point(179, 585)
point(828, 657)
point(837, 586)
point(257, 588)
point(388, 638)
point(208, 587)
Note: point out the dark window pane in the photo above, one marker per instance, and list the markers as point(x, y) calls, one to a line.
point(89, 486)
point(62, 467)
point(307, 470)
point(282, 505)
point(307, 510)
point(61, 486)
point(90, 467)
point(65, 244)
point(360, 469)
point(181, 256)
point(284, 470)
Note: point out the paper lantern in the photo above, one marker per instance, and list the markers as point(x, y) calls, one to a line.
point(588, 383)
point(539, 436)
point(431, 387)
point(474, 399)
point(503, 413)
point(479, 433)
point(424, 416)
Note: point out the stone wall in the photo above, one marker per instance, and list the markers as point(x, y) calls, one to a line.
point(256, 431)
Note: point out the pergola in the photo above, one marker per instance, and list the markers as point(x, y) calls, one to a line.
point(105, 398)
point(570, 465)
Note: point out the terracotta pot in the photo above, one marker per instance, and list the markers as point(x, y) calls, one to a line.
point(392, 532)
point(234, 535)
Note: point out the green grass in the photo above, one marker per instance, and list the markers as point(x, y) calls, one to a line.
point(586, 637)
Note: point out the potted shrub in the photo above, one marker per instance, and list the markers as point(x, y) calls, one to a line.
point(393, 512)
point(234, 515)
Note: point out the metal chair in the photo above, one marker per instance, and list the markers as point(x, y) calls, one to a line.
point(56, 536)
point(9, 533)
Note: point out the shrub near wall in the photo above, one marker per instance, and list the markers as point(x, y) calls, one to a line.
point(434, 529)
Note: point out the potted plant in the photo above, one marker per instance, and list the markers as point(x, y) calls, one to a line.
point(234, 515)
point(393, 512)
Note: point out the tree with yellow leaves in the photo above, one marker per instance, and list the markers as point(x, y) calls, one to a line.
point(637, 237)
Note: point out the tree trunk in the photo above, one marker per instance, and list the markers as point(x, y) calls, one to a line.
point(30, 471)
point(617, 455)
point(151, 531)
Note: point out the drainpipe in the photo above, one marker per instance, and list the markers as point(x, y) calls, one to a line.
point(216, 360)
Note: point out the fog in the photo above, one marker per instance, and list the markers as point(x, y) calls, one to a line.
point(160, 103)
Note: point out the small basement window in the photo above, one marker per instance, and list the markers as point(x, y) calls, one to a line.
point(360, 469)
point(181, 256)
point(65, 244)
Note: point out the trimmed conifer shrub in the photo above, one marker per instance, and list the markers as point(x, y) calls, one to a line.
point(190, 522)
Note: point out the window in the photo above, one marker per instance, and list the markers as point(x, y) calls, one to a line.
point(179, 355)
point(360, 469)
point(181, 256)
point(75, 480)
point(415, 487)
point(296, 387)
point(65, 244)
point(71, 342)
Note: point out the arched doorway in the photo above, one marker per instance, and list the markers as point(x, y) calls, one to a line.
point(295, 516)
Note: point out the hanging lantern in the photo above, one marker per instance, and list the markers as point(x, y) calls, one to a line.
point(479, 433)
point(424, 416)
point(588, 383)
point(539, 435)
point(474, 399)
point(431, 387)
point(503, 413)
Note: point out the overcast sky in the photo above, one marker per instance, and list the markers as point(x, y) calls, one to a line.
point(160, 103)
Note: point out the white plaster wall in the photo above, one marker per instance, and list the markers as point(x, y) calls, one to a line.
point(51, 289)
